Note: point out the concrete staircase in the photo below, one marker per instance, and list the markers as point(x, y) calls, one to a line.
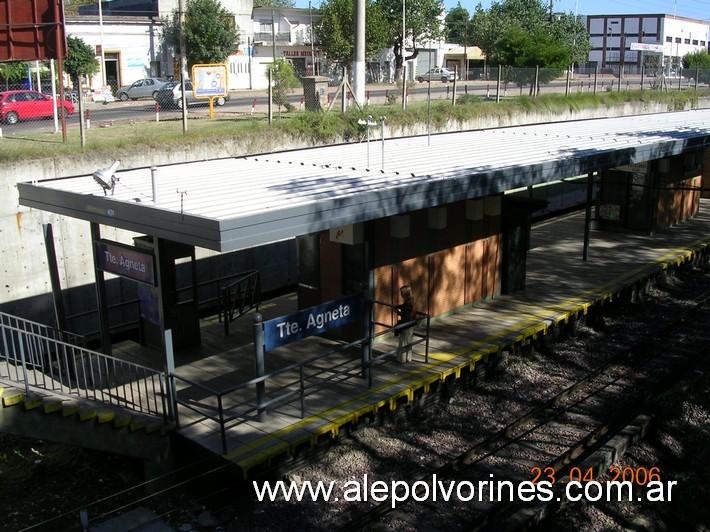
point(86, 424)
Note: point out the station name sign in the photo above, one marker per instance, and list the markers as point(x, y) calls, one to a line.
point(311, 321)
point(125, 261)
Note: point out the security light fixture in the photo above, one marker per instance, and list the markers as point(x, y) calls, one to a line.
point(106, 177)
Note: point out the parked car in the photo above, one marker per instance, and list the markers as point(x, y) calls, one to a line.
point(26, 104)
point(143, 88)
point(444, 74)
point(171, 96)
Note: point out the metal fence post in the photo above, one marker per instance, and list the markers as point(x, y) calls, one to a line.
point(259, 361)
point(170, 371)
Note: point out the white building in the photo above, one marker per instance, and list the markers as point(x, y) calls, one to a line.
point(126, 35)
point(612, 37)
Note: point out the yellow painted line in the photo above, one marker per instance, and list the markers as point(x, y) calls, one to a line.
point(558, 312)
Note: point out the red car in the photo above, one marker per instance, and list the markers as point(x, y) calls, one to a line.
point(25, 105)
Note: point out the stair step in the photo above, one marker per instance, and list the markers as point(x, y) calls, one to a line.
point(50, 406)
point(12, 397)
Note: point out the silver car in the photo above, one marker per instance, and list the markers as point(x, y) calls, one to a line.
point(171, 96)
point(143, 88)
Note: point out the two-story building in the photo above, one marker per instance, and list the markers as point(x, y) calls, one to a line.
point(127, 37)
point(621, 42)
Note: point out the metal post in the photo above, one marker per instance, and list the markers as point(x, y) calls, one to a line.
point(59, 42)
point(537, 80)
point(404, 85)
point(343, 93)
point(428, 119)
point(154, 182)
point(260, 366)
point(169, 372)
point(588, 215)
point(313, 52)
point(101, 298)
point(358, 69)
point(271, 93)
point(183, 63)
point(59, 314)
point(382, 134)
point(500, 73)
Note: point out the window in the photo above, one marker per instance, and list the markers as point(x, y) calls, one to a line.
point(669, 39)
point(677, 39)
point(686, 41)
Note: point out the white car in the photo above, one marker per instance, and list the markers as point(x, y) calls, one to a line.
point(444, 74)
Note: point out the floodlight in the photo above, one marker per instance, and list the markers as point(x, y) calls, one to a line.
point(105, 177)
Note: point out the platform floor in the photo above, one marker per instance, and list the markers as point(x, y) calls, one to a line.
point(560, 286)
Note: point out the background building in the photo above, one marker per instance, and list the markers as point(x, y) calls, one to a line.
point(612, 37)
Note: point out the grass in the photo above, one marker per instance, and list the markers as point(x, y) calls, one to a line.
point(254, 131)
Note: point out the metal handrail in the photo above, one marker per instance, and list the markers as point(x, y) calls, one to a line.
point(240, 297)
point(224, 416)
point(38, 361)
point(297, 387)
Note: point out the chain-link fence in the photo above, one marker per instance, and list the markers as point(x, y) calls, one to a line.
point(24, 109)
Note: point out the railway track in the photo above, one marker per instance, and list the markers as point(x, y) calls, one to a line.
point(478, 489)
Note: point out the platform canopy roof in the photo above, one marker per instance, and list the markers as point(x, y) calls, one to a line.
point(234, 203)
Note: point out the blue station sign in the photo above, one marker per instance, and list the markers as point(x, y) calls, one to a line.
point(311, 321)
point(125, 261)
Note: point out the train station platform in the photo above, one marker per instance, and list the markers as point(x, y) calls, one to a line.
point(560, 288)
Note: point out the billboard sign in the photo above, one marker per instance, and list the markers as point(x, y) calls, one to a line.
point(209, 81)
point(31, 30)
point(646, 47)
point(311, 321)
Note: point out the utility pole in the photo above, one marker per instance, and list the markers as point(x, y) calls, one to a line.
point(359, 53)
point(183, 63)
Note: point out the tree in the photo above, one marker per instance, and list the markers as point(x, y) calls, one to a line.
point(699, 61)
point(336, 30)
point(459, 30)
point(210, 32)
point(283, 80)
point(459, 26)
point(422, 22)
point(80, 61)
point(524, 34)
point(12, 72)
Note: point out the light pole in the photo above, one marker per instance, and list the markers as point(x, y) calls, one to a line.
point(611, 31)
point(103, 54)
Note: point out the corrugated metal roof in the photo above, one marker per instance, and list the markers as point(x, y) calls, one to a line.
point(233, 203)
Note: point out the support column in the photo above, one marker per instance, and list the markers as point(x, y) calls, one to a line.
point(101, 299)
point(588, 215)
